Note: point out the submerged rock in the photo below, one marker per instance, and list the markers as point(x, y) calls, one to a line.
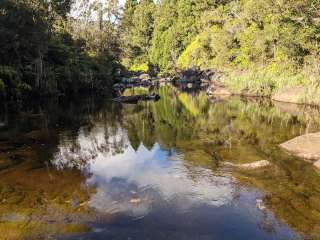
point(251, 166)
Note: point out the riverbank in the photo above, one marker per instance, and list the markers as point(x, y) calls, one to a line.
point(287, 87)
point(297, 88)
point(281, 87)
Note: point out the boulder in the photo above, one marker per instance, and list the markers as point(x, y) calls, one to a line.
point(120, 73)
point(144, 77)
point(208, 75)
point(306, 146)
point(218, 90)
point(290, 94)
point(191, 75)
point(118, 86)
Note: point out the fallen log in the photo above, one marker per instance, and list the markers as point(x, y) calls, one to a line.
point(128, 99)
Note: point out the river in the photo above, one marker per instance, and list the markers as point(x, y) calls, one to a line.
point(179, 168)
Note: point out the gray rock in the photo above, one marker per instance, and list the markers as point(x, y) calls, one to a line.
point(144, 77)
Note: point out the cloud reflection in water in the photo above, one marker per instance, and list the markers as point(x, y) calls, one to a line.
point(134, 181)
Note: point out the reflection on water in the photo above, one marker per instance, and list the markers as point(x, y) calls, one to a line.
point(142, 176)
point(166, 170)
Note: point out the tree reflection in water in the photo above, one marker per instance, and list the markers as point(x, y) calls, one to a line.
point(163, 161)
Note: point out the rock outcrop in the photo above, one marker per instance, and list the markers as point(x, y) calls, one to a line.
point(290, 94)
point(196, 75)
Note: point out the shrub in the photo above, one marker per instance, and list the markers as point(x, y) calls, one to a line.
point(2, 88)
point(9, 75)
point(144, 67)
point(263, 81)
point(24, 89)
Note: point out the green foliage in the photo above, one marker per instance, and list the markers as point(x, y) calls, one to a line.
point(241, 34)
point(9, 75)
point(188, 104)
point(176, 23)
point(263, 46)
point(44, 52)
point(263, 81)
point(143, 67)
point(126, 33)
point(23, 89)
point(137, 24)
point(195, 53)
point(194, 105)
point(2, 88)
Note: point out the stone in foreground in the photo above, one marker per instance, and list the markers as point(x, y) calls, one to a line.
point(306, 146)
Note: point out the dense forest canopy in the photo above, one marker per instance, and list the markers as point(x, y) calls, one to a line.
point(71, 45)
point(226, 33)
point(46, 50)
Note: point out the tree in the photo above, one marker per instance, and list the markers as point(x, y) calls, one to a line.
point(138, 40)
point(177, 22)
point(125, 28)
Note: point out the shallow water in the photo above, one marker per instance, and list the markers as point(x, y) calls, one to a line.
point(172, 169)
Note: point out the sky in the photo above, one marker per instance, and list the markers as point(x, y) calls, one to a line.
point(75, 11)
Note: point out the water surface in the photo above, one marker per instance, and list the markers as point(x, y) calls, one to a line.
point(94, 169)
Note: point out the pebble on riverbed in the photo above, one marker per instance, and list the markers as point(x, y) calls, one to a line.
point(135, 200)
point(260, 205)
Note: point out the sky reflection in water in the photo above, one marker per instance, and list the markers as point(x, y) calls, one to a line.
point(164, 196)
point(133, 181)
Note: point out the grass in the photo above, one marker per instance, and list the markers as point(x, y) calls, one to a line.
point(312, 95)
point(265, 82)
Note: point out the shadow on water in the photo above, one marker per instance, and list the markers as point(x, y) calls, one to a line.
point(94, 169)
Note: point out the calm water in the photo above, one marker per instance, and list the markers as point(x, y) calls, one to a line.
point(173, 169)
